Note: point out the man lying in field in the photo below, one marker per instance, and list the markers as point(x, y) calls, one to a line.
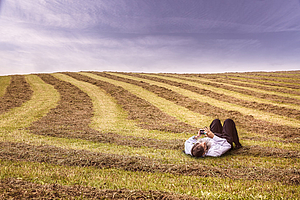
point(218, 140)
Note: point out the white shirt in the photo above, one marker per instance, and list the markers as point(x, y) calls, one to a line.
point(218, 146)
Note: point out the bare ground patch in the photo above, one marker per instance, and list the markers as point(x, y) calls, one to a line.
point(19, 189)
point(72, 116)
point(17, 92)
point(83, 158)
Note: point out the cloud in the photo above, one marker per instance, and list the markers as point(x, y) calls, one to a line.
point(149, 36)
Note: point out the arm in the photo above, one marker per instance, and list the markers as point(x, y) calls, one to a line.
point(219, 148)
point(220, 144)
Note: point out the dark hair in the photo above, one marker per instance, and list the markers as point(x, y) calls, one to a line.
point(197, 150)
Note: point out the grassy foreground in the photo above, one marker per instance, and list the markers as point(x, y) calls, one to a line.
point(123, 134)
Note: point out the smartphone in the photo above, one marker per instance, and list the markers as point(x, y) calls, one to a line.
point(202, 132)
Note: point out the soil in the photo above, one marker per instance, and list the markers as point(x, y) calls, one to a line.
point(20, 189)
point(247, 122)
point(83, 158)
point(72, 116)
point(17, 93)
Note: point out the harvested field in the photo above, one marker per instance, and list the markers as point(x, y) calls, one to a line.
point(121, 135)
point(72, 116)
point(246, 122)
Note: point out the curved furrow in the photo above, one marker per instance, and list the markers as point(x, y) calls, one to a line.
point(247, 122)
point(292, 81)
point(166, 105)
point(16, 93)
point(225, 102)
point(147, 115)
point(44, 98)
point(72, 116)
point(283, 85)
point(270, 96)
point(246, 101)
point(250, 85)
point(109, 117)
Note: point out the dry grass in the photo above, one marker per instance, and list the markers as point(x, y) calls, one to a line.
point(95, 135)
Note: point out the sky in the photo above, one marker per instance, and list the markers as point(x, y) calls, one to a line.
point(175, 36)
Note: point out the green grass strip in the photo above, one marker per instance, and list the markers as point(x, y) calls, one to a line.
point(4, 82)
point(181, 113)
point(203, 187)
point(273, 118)
point(110, 117)
point(244, 96)
point(43, 99)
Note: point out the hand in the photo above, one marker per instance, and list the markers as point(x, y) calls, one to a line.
point(208, 132)
point(198, 135)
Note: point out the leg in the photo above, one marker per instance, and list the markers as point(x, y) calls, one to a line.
point(230, 133)
point(216, 126)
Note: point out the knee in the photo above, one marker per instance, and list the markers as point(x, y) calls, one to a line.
point(229, 121)
point(216, 121)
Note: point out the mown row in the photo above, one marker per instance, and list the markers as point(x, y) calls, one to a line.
point(104, 134)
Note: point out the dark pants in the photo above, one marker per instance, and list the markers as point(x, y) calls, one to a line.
point(228, 131)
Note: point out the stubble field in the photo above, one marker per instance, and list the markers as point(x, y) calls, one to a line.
point(120, 135)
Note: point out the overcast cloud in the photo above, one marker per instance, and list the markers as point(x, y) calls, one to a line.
point(192, 36)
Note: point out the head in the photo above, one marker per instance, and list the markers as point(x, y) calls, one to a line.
point(199, 149)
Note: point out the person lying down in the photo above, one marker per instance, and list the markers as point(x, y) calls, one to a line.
point(219, 139)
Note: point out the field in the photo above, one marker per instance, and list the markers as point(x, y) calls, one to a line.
point(120, 135)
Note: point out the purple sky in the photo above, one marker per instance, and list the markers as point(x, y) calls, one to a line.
point(183, 36)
